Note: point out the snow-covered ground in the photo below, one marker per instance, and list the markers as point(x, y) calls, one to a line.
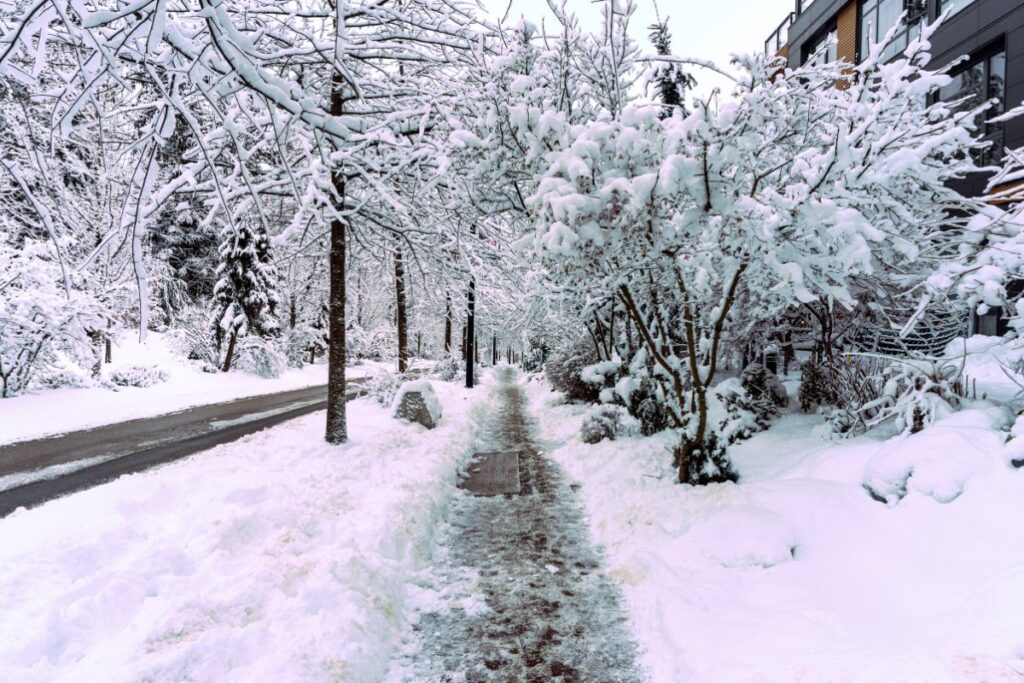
point(797, 573)
point(57, 411)
point(274, 558)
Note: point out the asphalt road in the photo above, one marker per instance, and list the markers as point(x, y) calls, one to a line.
point(136, 445)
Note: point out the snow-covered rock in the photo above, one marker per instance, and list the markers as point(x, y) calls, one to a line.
point(417, 402)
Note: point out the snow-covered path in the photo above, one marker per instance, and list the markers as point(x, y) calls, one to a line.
point(519, 594)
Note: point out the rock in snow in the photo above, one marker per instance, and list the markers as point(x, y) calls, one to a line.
point(417, 402)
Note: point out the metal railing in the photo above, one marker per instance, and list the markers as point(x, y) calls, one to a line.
point(778, 39)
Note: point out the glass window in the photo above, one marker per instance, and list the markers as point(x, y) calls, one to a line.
point(876, 18)
point(982, 80)
point(828, 55)
point(956, 5)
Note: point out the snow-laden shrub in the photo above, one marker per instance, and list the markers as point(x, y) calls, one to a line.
point(607, 423)
point(190, 337)
point(383, 388)
point(138, 376)
point(767, 395)
point(260, 357)
point(734, 414)
point(373, 344)
point(43, 312)
point(64, 377)
point(647, 406)
point(448, 368)
point(565, 372)
point(816, 386)
point(708, 462)
point(857, 384)
point(603, 376)
point(533, 360)
point(916, 394)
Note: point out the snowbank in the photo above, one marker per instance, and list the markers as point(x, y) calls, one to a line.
point(58, 411)
point(796, 573)
point(276, 557)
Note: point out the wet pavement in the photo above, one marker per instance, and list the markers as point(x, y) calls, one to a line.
point(549, 613)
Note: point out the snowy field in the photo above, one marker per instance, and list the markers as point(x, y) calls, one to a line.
point(274, 558)
point(56, 411)
point(797, 573)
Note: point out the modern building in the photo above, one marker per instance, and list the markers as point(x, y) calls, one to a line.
point(988, 34)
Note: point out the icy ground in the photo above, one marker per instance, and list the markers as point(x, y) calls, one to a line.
point(797, 573)
point(517, 592)
point(273, 558)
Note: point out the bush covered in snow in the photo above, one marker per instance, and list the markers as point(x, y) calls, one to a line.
point(606, 423)
point(260, 357)
point(64, 377)
point(383, 387)
point(565, 372)
point(448, 368)
point(647, 405)
point(137, 376)
point(767, 395)
point(816, 388)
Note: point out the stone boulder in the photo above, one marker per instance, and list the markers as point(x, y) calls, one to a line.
point(417, 402)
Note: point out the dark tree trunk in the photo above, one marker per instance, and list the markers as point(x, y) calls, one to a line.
point(448, 324)
point(337, 428)
point(231, 351)
point(470, 332)
point(400, 314)
point(494, 349)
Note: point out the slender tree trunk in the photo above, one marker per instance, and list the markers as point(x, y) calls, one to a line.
point(400, 313)
point(476, 349)
point(231, 351)
point(494, 349)
point(337, 428)
point(470, 332)
point(448, 323)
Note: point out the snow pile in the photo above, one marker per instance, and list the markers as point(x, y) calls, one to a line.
point(276, 557)
point(796, 573)
point(940, 461)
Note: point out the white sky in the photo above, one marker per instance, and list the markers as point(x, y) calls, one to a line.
point(706, 29)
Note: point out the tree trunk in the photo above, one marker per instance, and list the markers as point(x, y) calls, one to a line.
point(470, 332)
point(494, 349)
point(231, 351)
point(400, 313)
point(448, 324)
point(337, 428)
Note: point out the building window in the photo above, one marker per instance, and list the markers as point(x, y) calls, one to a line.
point(955, 5)
point(877, 17)
point(982, 80)
point(828, 54)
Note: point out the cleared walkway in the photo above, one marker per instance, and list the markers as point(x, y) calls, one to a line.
point(550, 615)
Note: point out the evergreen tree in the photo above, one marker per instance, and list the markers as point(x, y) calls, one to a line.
point(670, 80)
point(245, 297)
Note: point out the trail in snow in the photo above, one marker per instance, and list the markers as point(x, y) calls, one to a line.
point(518, 593)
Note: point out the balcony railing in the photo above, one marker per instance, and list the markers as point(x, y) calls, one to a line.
point(778, 39)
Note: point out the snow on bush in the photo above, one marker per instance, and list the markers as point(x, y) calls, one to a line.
point(646, 403)
point(447, 369)
point(768, 396)
point(816, 388)
point(382, 387)
point(564, 370)
point(607, 423)
point(138, 376)
point(260, 357)
point(42, 312)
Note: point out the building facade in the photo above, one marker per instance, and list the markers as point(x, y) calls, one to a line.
point(984, 37)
